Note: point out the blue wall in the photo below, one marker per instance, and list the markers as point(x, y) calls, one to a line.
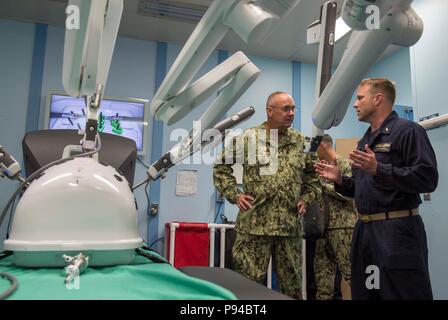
point(429, 71)
point(16, 56)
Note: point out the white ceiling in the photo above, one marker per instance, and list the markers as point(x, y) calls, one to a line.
point(287, 40)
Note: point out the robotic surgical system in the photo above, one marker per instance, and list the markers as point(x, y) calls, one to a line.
point(397, 24)
point(92, 216)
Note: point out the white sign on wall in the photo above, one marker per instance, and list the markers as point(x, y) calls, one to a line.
point(186, 183)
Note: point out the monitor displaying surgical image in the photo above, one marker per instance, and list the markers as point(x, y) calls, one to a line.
point(120, 116)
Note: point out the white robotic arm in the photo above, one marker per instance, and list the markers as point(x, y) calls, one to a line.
point(9, 166)
point(193, 143)
point(251, 20)
point(400, 25)
point(234, 76)
point(88, 53)
point(435, 122)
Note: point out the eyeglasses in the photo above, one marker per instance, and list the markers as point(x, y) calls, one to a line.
point(286, 109)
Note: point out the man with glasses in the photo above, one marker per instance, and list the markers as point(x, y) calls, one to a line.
point(278, 183)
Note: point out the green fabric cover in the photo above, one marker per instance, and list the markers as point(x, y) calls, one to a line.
point(143, 279)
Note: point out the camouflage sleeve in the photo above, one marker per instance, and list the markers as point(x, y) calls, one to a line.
point(223, 178)
point(346, 170)
point(312, 187)
point(332, 193)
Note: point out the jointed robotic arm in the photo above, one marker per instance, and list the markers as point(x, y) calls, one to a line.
point(88, 52)
point(399, 25)
point(87, 56)
point(9, 166)
point(251, 20)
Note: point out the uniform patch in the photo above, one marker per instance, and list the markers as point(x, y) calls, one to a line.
point(382, 147)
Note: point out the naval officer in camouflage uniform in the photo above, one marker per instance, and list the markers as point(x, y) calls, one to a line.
point(333, 251)
point(278, 183)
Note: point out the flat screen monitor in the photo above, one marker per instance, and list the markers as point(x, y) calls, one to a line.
point(121, 116)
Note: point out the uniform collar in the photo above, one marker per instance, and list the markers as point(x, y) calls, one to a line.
point(389, 122)
point(387, 125)
point(287, 138)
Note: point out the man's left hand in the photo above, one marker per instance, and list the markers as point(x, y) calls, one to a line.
point(364, 160)
point(301, 207)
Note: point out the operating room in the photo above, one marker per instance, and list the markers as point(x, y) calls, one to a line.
point(33, 59)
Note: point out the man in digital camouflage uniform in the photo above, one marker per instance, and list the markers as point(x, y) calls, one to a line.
point(333, 251)
point(278, 183)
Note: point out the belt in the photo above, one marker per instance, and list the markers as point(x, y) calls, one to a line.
point(387, 215)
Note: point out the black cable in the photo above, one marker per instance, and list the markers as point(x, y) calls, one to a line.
point(145, 247)
point(224, 219)
point(150, 256)
point(5, 254)
point(148, 179)
point(154, 242)
point(217, 211)
point(14, 284)
point(142, 163)
point(147, 199)
point(8, 229)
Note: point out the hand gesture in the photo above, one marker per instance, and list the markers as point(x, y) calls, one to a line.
point(364, 160)
point(328, 171)
point(243, 201)
point(301, 208)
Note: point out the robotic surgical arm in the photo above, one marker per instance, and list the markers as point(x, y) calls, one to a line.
point(88, 49)
point(251, 20)
point(9, 166)
point(176, 97)
point(194, 142)
point(88, 53)
point(398, 24)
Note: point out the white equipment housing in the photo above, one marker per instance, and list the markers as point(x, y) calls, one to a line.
point(79, 205)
